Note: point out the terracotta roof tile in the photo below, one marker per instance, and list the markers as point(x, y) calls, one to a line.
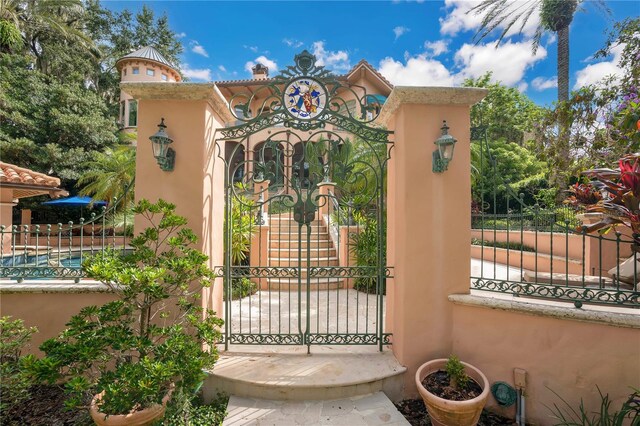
point(11, 173)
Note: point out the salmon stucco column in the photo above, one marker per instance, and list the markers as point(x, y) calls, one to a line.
point(428, 221)
point(192, 112)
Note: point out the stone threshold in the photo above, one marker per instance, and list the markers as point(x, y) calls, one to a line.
point(611, 316)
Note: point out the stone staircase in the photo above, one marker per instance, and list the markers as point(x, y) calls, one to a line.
point(288, 248)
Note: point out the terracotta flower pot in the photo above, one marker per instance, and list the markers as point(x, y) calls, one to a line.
point(444, 412)
point(137, 418)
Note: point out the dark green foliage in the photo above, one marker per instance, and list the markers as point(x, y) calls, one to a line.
point(502, 244)
point(364, 245)
point(188, 410)
point(628, 414)
point(506, 113)
point(49, 126)
point(557, 14)
point(512, 169)
point(458, 379)
point(136, 347)
point(14, 382)
point(241, 288)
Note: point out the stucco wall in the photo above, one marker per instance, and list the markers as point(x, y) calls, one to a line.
point(567, 356)
point(48, 311)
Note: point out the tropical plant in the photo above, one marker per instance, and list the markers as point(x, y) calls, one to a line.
point(364, 244)
point(618, 199)
point(242, 227)
point(555, 16)
point(566, 415)
point(110, 175)
point(240, 288)
point(153, 336)
point(15, 383)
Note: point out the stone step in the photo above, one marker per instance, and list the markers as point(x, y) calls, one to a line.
point(292, 227)
point(373, 409)
point(286, 284)
point(315, 252)
point(304, 262)
point(286, 236)
point(294, 244)
point(324, 375)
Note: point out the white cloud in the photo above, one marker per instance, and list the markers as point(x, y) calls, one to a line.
point(222, 68)
point(292, 42)
point(181, 35)
point(254, 49)
point(399, 31)
point(203, 74)
point(522, 86)
point(458, 20)
point(541, 83)
point(508, 62)
point(199, 50)
point(336, 60)
point(417, 71)
point(264, 61)
point(594, 73)
point(436, 48)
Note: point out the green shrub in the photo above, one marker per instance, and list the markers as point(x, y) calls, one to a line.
point(185, 409)
point(458, 379)
point(14, 380)
point(364, 245)
point(502, 244)
point(242, 228)
point(241, 288)
point(154, 336)
point(566, 415)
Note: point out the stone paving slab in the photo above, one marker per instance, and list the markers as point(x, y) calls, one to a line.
point(374, 409)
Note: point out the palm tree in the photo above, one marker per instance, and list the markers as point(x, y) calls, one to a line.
point(110, 175)
point(555, 16)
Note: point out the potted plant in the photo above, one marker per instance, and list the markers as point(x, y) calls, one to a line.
point(454, 392)
point(133, 352)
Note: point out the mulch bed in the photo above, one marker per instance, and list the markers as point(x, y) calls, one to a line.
point(45, 407)
point(438, 384)
point(416, 414)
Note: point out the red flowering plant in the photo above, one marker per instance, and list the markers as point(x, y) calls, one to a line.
point(615, 194)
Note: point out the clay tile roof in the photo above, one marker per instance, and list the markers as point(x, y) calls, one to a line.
point(10, 173)
point(372, 69)
point(150, 53)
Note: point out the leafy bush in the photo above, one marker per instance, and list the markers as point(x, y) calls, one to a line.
point(242, 228)
point(364, 245)
point(629, 413)
point(458, 379)
point(241, 288)
point(154, 336)
point(185, 409)
point(502, 244)
point(14, 382)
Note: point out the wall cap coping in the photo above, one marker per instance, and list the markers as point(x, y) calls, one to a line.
point(569, 312)
point(53, 286)
point(429, 96)
point(180, 91)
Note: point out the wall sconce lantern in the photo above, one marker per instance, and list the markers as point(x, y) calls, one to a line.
point(165, 156)
point(444, 154)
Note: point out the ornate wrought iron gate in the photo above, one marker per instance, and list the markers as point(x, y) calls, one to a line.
point(304, 208)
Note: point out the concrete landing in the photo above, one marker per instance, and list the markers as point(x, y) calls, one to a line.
point(328, 373)
point(374, 409)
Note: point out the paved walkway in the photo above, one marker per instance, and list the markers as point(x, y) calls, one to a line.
point(374, 409)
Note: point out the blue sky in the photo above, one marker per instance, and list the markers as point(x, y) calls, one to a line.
point(426, 43)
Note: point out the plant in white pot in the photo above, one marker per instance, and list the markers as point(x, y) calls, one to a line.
point(454, 392)
point(132, 353)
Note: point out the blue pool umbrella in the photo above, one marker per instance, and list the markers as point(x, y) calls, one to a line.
point(75, 201)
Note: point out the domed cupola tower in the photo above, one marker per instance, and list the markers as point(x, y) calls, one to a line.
point(146, 64)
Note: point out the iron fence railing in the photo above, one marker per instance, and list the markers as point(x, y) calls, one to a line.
point(555, 261)
point(57, 251)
